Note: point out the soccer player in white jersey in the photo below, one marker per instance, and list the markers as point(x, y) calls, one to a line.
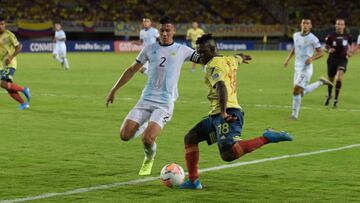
point(148, 35)
point(156, 104)
point(305, 44)
point(59, 52)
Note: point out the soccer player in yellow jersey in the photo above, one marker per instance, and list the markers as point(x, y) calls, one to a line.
point(225, 120)
point(9, 48)
point(193, 34)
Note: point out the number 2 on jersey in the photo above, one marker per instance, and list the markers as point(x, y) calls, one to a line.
point(163, 61)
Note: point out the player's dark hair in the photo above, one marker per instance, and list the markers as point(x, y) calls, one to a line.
point(166, 20)
point(305, 18)
point(204, 38)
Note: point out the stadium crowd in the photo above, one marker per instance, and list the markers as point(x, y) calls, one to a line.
point(204, 11)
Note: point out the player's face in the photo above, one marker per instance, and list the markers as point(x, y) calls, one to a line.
point(206, 52)
point(167, 32)
point(195, 25)
point(2, 26)
point(57, 27)
point(306, 25)
point(340, 26)
point(146, 23)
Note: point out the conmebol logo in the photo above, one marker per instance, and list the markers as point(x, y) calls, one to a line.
point(41, 46)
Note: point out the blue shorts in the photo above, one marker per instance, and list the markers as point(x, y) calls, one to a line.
point(214, 129)
point(7, 74)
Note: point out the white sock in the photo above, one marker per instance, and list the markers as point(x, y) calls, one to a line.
point(312, 87)
point(141, 129)
point(58, 58)
point(66, 63)
point(150, 152)
point(296, 105)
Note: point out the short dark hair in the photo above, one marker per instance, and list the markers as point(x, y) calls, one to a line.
point(204, 38)
point(166, 20)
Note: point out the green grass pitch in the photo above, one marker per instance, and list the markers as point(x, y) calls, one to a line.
point(69, 139)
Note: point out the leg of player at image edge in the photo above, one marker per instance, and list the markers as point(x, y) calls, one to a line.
point(238, 149)
point(13, 90)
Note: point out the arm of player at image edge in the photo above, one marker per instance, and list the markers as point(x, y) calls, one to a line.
point(318, 54)
point(124, 78)
point(288, 58)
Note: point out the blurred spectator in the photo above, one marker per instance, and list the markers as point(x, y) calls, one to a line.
point(323, 13)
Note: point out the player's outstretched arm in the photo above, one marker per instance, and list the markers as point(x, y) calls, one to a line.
point(124, 78)
point(244, 58)
point(291, 54)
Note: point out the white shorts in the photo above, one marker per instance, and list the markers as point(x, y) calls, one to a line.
point(302, 76)
point(145, 111)
point(60, 50)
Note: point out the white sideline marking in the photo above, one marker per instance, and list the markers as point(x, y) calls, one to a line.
point(143, 180)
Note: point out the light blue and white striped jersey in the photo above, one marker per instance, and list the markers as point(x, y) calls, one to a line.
point(60, 35)
point(149, 36)
point(304, 48)
point(165, 62)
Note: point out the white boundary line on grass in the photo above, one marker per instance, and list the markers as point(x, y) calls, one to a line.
point(143, 180)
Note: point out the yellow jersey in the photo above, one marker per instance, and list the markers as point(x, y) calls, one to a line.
point(193, 35)
point(8, 42)
point(222, 68)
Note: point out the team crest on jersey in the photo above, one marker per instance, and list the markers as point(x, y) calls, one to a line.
point(173, 54)
point(215, 76)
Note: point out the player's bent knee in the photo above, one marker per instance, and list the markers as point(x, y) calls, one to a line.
point(226, 151)
point(227, 156)
point(297, 90)
point(3, 84)
point(190, 138)
point(125, 135)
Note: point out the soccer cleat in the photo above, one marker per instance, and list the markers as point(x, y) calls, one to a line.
point(335, 104)
point(146, 167)
point(27, 94)
point(24, 106)
point(327, 100)
point(325, 81)
point(187, 184)
point(274, 136)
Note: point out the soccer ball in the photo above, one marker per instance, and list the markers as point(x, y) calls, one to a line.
point(172, 175)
